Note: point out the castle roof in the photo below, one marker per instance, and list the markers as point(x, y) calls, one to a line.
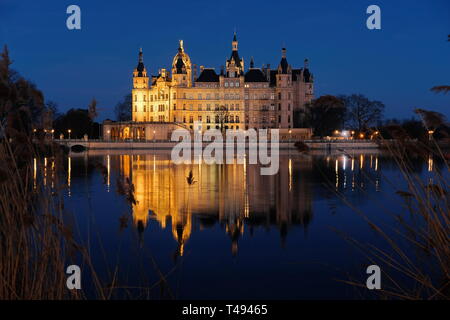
point(255, 75)
point(140, 67)
point(208, 75)
point(235, 57)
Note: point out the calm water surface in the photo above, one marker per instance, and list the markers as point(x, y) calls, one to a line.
point(232, 233)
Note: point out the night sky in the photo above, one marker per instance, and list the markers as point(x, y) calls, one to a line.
point(396, 65)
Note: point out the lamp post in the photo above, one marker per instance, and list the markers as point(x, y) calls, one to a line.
point(430, 134)
point(69, 131)
point(53, 134)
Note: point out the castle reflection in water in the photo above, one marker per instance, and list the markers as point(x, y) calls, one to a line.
point(228, 194)
point(235, 196)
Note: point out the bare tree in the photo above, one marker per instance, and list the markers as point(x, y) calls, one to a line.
point(222, 115)
point(93, 109)
point(123, 109)
point(362, 112)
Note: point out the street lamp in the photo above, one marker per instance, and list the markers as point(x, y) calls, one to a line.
point(53, 134)
point(430, 134)
point(69, 131)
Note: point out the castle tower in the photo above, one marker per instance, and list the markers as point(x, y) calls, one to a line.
point(235, 65)
point(284, 94)
point(181, 68)
point(140, 90)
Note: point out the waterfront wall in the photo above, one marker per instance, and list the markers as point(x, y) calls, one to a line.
point(121, 145)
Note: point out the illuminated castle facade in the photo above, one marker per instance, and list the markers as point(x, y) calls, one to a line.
point(236, 97)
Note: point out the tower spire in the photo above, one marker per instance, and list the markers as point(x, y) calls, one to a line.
point(252, 63)
point(235, 42)
point(141, 58)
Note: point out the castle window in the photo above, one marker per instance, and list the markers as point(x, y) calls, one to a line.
point(174, 106)
point(151, 97)
point(135, 97)
point(279, 107)
point(191, 107)
point(208, 107)
point(237, 120)
point(217, 96)
point(289, 95)
point(145, 108)
point(237, 106)
point(279, 95)
point(231, 84)
point(151, 119)
point(174, 95)
point(216, 107)
point(208, 119)
point(237, 84)
point(145, 97)
point(174, 119)
point(199, 118)
point(272, 96)
point(289, 107)
point(199, 107)
point(199, 96)
point(208, 96)
point(184, 107)
point(226, 84)
point(191, 119)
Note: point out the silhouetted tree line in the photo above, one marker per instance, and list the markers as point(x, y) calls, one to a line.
point(329, 113)
point(355, 112)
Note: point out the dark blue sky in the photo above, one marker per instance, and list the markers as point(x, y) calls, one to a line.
point(397, 65)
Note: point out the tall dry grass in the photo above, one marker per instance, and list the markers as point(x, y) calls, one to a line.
point(36, 244)
point(415, 256)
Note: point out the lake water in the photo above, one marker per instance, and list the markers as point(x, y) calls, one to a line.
point(232, 233)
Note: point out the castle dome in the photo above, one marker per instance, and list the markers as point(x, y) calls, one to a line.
point(181, 62)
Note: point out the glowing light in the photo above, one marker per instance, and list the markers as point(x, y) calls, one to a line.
point(290, 174)
point(108, 167)
point(69, 172)
point(34, 172)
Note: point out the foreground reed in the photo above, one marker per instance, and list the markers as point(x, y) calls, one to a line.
point(415, 257)
point(37, 244)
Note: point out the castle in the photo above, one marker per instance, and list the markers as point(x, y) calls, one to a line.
point(234, 98)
